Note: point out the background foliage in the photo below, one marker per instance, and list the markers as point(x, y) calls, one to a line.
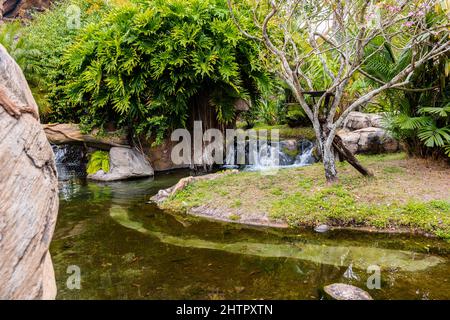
point(141, 66)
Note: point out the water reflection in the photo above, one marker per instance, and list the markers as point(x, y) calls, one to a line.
point(126, 248)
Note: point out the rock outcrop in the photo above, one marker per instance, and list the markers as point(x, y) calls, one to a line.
point(124, 163)
point(21, 8)
point(363, 133)
point(70, 133)
point(359, 120)
point(28, 191)
point(369, 140)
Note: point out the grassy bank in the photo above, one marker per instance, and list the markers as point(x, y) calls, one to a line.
point(412, 194)
point(285, 132)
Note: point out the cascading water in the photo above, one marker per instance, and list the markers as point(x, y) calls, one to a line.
point(70, 161)
point(306, 155)
point(270, 155)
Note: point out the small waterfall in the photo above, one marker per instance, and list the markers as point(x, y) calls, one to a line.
point(306, 156)
point(269, 155)
point(70, 161)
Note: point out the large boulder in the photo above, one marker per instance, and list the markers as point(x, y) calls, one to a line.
point(124, 163)
point(28, 191)
point(369, 140)
point(359, 120)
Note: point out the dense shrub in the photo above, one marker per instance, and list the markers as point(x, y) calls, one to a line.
point(141, 66)
point(419, 115)
point(38, 46)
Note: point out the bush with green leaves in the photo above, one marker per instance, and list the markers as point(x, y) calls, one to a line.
point(98, 160)
point(296, 117)
point(27, 55)
point(419, 114)
point(38, 46)
point(143, 65)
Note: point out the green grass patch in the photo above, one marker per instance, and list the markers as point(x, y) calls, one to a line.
point(401, 195)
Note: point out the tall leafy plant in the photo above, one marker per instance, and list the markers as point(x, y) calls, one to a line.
point(420, 113)
point(142, 66)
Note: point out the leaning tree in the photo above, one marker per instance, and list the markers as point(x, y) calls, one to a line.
point(336, 38)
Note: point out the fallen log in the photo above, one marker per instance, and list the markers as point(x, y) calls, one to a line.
point(70, 133)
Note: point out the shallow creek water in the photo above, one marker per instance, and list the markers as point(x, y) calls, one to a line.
point(127, 249)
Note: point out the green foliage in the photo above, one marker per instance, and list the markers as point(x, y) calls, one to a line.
point(98, 160)
point(142, 65)
point(27, 55)
point(38, 47)
point(296, 118)
point(418, 118)
point(11, 37)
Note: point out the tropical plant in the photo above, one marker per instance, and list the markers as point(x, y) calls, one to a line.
point(38, 46)
point(145, 66)
point(98, 160)
point(419, 113)
point(334, 36)
point(27, 56)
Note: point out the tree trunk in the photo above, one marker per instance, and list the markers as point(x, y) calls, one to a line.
point(330, 152)
point(327, 152)
point(329, 164)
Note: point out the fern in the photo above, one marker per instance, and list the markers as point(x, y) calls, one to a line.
point(420, 119)
point(438, 111)
point(98, 160)
point(433, 136)
point(142, 65)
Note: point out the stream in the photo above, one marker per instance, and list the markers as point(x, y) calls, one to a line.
point(128, 249)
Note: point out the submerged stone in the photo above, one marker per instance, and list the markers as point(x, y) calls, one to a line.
point(322, 228)
point(342, 291)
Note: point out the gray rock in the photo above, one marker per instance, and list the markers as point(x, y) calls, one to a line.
point(322, 228)
point(124, 163)
point(359, 120)
point(28, 191)
point(342, 291)
point(369, 140)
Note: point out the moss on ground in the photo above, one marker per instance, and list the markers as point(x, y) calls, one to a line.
point(405, 193)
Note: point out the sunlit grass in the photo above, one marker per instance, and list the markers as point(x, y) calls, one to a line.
point(405, 193)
